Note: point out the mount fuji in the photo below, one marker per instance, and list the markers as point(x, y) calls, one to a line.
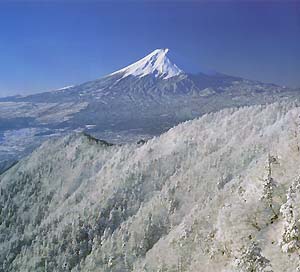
point(141, 100)
point(156, 63)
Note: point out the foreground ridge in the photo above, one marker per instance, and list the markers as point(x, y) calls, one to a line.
point(199, 197)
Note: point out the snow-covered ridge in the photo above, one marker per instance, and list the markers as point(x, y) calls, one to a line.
point(64, 88)
point(198, 197)
point(156, 63)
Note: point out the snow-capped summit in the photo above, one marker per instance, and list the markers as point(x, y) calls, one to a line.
point(156, 63)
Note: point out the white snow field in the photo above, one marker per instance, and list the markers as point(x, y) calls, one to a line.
point(219, 193)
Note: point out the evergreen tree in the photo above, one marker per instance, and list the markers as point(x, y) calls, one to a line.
point(268, 186)
point(290, 241)
point(251, 260)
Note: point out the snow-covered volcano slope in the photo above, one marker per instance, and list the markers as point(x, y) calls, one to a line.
point(156, 64)
point(205, 196)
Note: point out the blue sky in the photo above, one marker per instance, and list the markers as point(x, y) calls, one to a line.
point(50, 44)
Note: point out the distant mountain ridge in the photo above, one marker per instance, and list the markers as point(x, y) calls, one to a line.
point(141, 100)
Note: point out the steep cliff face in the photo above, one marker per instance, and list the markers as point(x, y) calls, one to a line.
point(219, 193)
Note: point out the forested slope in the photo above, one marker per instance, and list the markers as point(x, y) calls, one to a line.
point(220, 193)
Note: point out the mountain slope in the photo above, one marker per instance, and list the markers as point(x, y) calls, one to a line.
point(141, 100)
point(156, 63)
point(196, 198)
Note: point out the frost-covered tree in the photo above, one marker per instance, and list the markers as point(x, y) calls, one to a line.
point(295, 132)
point(290, 210)
point(251, 260)
point(269, 185)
